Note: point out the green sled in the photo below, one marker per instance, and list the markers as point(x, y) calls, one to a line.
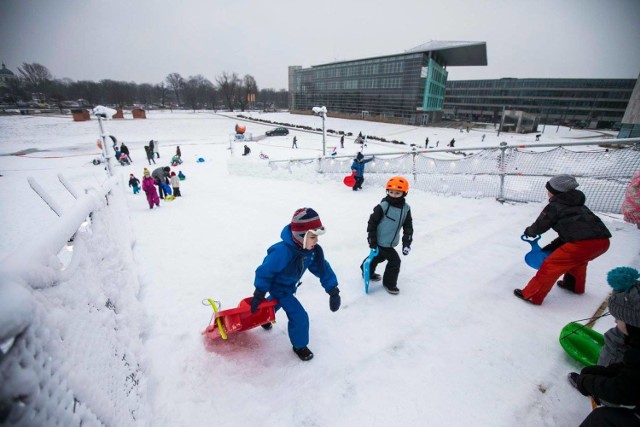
point(582, 343)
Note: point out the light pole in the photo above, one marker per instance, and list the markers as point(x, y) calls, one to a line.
point(322, 112)
point(101, 113)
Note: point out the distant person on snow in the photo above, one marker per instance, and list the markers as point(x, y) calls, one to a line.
point(383, 232)
point(358, 167)
point(149, 154)
point(134, 183)
point(125, 150)
point(175, 185)
point(247, 150)
point(161, 175)
point(149, 187)
point(295, 143)
point(582, 237)
point(283, 267)
point(342, 141)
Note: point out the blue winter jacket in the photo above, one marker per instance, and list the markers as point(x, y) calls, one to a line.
point(285, 264)
point(359, 166)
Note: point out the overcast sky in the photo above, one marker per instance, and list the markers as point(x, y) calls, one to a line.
point(145, 40)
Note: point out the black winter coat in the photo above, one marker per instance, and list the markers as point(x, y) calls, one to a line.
point(618, 384)
point(570, 218)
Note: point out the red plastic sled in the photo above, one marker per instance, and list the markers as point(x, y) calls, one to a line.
point(350, 180)
point(239, 319)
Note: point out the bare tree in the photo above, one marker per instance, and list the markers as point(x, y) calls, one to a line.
point(35, 75)
point(145, 93)
point(195, 91)
point(247, 91)
point(160, 93)
point(175, 82)
point(228, 86)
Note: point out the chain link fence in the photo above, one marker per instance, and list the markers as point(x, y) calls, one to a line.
point(516, 173)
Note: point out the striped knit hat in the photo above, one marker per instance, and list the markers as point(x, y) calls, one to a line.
point(305, 219)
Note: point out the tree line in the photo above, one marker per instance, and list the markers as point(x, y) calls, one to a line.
point(35, 83)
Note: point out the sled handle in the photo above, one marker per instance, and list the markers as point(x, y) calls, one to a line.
point(526, 238)
point(223, 334)
point(374, 252)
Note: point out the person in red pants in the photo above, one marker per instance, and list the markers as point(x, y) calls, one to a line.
point(582, 237)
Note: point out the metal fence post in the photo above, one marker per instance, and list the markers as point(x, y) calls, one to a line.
point(502, 171)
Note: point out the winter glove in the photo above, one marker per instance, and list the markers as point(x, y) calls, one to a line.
point(529, 233)
point(372, 243)
point(406, 250)
point(334, 299)
point(258, 296)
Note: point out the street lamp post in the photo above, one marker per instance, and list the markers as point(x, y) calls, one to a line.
point(322, 112)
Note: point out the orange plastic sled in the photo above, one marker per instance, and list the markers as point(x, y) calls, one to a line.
point(239, 319)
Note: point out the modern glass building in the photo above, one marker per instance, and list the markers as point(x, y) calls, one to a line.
point(630, 127)
point(593, 103)
point(408, 87)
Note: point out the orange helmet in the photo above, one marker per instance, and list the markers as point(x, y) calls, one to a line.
point(398, 183)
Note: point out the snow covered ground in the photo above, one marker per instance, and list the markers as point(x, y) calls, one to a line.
point(454, 348)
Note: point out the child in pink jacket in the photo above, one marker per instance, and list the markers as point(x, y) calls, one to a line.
point(149, 187)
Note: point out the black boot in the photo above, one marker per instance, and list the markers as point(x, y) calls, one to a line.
point(303, 353)
point(568, 283)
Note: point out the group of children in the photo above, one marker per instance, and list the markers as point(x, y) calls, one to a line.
point(280, 273)
point(582, 237)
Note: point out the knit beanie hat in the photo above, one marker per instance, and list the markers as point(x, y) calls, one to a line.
point(146, 172)
point(561, 184)
point(359, 156)
point(305, 219)
point(624, 302)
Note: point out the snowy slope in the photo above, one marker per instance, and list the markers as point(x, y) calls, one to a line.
point(454, 348)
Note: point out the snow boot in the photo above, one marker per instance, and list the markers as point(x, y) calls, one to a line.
point(518, 293)
point(393, 290)
point(573, 379)
point(267, 326)
point(303, 353)
point(375, 277)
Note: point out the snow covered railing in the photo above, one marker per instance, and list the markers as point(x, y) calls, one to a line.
point(69, 345)
point(507, 172)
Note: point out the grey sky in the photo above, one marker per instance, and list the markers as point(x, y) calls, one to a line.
point(144, 40)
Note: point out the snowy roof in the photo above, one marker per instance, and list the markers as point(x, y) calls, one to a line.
point(450, 53)
point(455, 52)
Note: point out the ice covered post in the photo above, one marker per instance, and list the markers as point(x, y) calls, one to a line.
point(102, 113)
point(322, 112)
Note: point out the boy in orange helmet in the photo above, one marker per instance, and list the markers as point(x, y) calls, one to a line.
point(383, 232)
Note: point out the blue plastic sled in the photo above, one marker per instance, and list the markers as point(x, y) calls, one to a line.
point(166, 188)
point(365, 268)
point(536, 255)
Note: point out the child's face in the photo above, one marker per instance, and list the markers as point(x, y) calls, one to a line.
point(395, 193)
point(622, 327)
point(310, 240)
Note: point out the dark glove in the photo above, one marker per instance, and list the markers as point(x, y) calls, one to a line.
point(529, 233)
point(406, 250)
point(258, 296)
point(334, 299)
point(373, 243)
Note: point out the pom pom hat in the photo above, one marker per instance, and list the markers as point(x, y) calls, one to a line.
point(624, 302)
point(305, 220)
point(561, 184)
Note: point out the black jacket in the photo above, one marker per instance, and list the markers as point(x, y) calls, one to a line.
point(134, 182)
point(618, 384)
point(570, 218)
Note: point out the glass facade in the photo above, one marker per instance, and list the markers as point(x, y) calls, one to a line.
point(396, 86)
point(584, 102)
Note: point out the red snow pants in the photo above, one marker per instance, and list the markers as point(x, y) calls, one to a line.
point(571, 258)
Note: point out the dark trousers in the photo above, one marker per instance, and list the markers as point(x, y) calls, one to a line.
point(606, 416)
point(391, 272)
point(358, 184)
point(176, 192)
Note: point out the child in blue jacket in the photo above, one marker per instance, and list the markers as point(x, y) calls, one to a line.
point(282, 268)
point(358, 167)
